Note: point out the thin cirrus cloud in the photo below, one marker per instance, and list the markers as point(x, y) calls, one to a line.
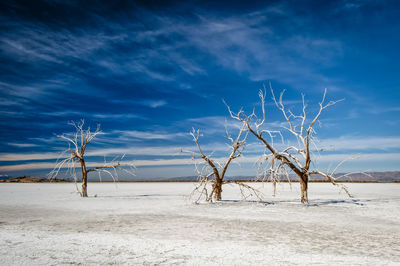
point(347, 143)
point(147, 135)
point(217, 37)
point(322, 160)
point(151, 151)
point(23, 145)
point(341, 145)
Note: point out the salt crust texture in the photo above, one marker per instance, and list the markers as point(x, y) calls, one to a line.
point(157, 224)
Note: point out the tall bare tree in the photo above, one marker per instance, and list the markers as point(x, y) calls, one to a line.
point(212, 171)
point(296, 158)
point(75, 154)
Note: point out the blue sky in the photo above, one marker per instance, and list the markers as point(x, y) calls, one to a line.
point(149, 71)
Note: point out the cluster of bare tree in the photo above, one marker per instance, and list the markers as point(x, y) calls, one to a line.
point(295, 157)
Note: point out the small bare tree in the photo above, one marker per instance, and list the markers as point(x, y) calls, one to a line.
point(75, 155)
point(293, 158)
point(212, 171)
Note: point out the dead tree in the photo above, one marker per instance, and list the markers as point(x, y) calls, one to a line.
point(75, 155)
point(212, 171)
point(295, 157)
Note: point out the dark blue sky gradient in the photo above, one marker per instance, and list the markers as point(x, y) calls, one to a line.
point(149, 71)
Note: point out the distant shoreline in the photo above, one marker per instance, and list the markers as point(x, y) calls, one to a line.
point(382, 177)
point(245, 181)
point(188, 181)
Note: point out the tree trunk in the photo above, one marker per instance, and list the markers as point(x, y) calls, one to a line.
point(304, 188)
point(217, 188)
point(84, 178)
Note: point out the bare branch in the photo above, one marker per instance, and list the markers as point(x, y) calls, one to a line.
point(332, 180)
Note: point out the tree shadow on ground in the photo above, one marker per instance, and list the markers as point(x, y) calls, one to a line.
point(337, 202)
point(244, 202)
point(134, 196)
point(312, 203)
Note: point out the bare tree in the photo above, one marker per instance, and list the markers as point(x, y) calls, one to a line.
point(296, 158)
point(75, 155)
point(212, 171)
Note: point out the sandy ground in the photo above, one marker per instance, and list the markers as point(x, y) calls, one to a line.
point(156, 223)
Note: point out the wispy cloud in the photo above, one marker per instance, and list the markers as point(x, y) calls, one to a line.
point(152, 103)
point(15, 157)
point(68, 114)
point(211, 125)
point(155, 104)
point(339, 146)
point(147, 135)
point(348, 143)
point(387, 109)
point(117, 116)
point(250, 44)
point(329, 158)
point(153, 150)
point(37, 42)
point(22, 145)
